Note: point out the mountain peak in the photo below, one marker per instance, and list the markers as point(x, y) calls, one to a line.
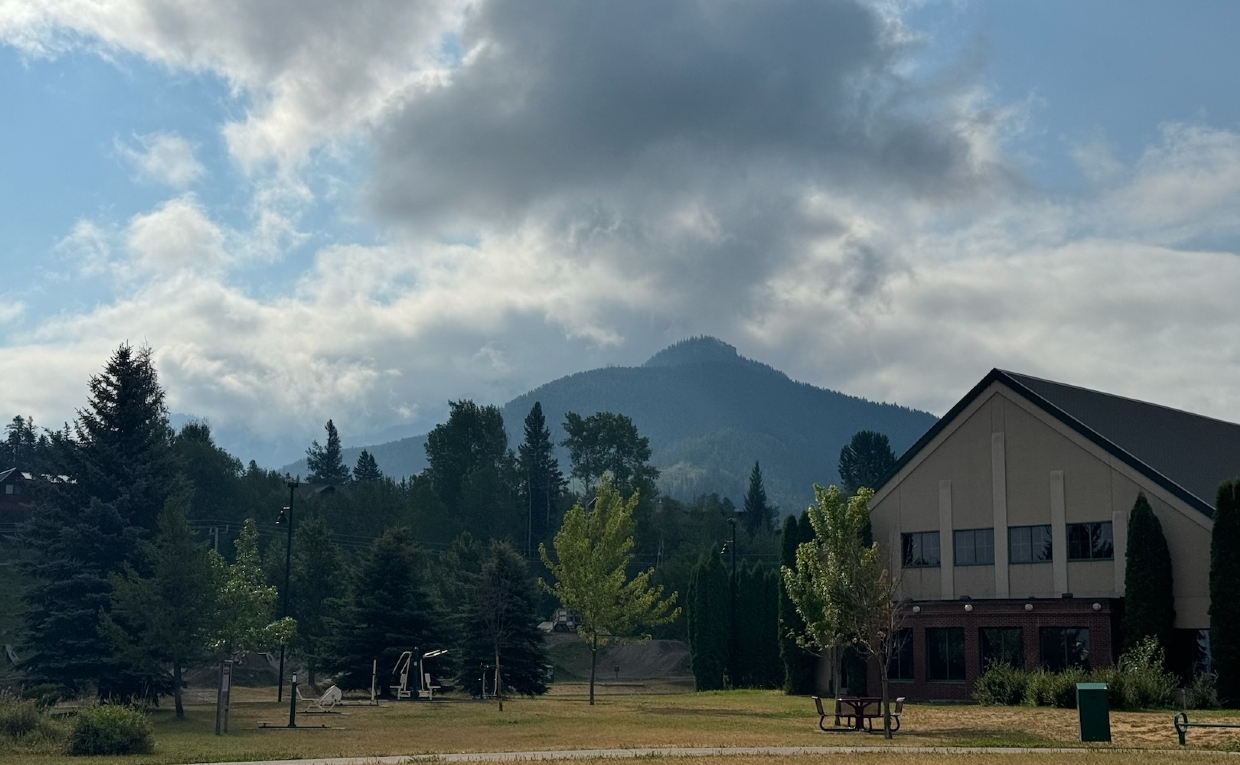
point(694, 350)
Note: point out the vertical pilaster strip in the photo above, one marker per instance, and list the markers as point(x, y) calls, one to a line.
point(1059, 534)
point(947, 556)
point(998, 479)
point(1119, 535)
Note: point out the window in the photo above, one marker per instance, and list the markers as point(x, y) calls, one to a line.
point(944, 654)
point(1002, 645)
point(921, 549)
point(1029, 544)
point(8, 488)
point(975, 547)
point(902, 657)
point(1090, 541)
point(1064, 647)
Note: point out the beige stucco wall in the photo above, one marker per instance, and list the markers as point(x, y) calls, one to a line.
point(970, 478)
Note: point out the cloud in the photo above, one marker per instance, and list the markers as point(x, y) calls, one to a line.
point(11, 310)
point(164, 158)
point(176, 236)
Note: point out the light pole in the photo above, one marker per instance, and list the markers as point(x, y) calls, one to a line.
point(732, 587)
point(286, 520)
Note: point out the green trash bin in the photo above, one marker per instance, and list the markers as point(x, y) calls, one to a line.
point(1094, 708)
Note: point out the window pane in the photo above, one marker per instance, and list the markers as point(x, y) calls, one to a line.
point(930, 548)
point(1002, 646)
point(1040, 543)
point(964, 548)
point(945, 653)
point(1101, 543)
point(902, 657)
point(984, 546)
point(1064, 647)
point(1019, 546)
point(1078, 541)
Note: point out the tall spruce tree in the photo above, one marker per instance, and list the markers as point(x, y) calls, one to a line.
point(367, 469)
point(1225, 592)
point(326, 463)
point(1149, 600)
point(388, 611)
point(708, 602)
point(502, 628)
point(799, 664)
point(317, 581)
point(759, 517)
point(864, 461)
point(541, 480)
point(119, 471)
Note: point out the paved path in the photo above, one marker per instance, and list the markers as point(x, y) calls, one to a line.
point(582, 754)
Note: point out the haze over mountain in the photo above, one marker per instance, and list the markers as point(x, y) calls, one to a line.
point(709, 413)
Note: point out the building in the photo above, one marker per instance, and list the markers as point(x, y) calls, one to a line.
point(15, 496)
point(1007, 524)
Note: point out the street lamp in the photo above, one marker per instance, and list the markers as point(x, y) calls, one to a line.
point(286, 520)
point(731, 545)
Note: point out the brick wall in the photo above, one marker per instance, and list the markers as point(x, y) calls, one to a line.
point(1067, 612)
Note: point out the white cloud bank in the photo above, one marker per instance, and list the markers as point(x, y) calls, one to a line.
point(164, 158)
point(560, 185)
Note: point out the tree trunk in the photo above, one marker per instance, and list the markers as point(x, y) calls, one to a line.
point(176, 689)
point(882, 670)
point(593, 661)
point(499, 686)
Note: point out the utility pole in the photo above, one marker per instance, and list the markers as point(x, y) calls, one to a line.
point(287, 521)
point(733, 586)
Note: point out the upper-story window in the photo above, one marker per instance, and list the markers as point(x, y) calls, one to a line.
point(921, 549)
point(1029, 544)
point(1090, 541)
point(974, 547)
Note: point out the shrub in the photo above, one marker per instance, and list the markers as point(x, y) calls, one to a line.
point(18, 717)
point(1001, 684)
point(111, 729)
point(1144, 683)
point(1202, 692)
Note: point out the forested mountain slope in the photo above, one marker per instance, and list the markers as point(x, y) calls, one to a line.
point(709, 413)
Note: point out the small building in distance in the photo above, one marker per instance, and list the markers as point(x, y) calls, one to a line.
point(1007, 523)
point(15, 497)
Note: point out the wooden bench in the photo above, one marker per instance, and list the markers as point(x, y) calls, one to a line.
point(1181, 723)
point(858, 713)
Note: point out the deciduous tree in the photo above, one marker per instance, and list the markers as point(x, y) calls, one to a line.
point(592, 552)
point(609, 444)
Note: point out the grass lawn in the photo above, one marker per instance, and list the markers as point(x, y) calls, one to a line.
point(739, 718)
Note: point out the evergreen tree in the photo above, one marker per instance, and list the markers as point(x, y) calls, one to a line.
point(214, 476)
point(864, 461)
point(121, 470)
point(473, 473)
point(502, 628)
point(165, 621)
point(541, 479)
point(759, 517)
point(799, 664)
point(317, 581)
point(708, 602)
point(325, 463)
point(593, 550)
point(1225, 592)
point(366, 469)
point(23, 447)
point(1149, 601)
point(388, 611)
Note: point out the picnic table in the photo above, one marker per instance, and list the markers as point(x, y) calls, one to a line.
point(859, 712)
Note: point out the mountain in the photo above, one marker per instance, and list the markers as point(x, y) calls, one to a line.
point(709, 413)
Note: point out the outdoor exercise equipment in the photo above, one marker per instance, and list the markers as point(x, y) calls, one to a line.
point(404, 664)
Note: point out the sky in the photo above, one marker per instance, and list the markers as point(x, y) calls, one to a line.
point(358, 211)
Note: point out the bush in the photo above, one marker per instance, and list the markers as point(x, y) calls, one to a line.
point(1144, 684)
point(1001, 684)
point(111, 729)
point(1044, 688)
point(18, 717)
point(1202, 692)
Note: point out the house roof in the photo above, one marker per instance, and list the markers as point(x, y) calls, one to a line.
point(1187, 454)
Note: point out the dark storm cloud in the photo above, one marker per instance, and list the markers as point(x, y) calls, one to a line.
point(617, 103)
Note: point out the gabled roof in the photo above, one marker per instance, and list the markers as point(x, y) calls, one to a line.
point(1187, 454)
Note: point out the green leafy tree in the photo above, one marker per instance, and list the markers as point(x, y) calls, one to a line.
point(213, 475)
point(864, 461)
point(841, 587)
point(759, 517)
point(609, 444)
point(326, 463)
point(799, 664)
point(164, 621)
point(541, 480)
point(593, 549)
point(366, 469)
point(708, 604)
point(389, 610)
point(121, 471)
point(1149, 601)
point(503, 629)
point(472, 438)
point(245, 602)
point(1225, 592)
